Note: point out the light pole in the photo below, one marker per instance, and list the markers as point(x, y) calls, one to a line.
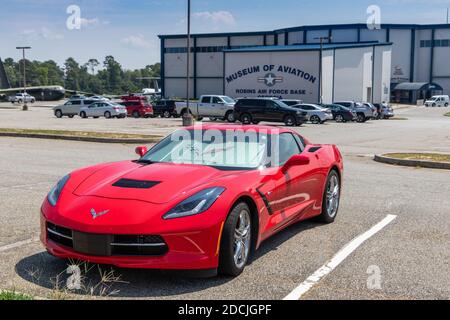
point(187, 117)
point(24, 107)
point(320, 65)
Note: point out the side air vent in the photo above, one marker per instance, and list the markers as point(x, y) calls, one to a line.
point(137, 184)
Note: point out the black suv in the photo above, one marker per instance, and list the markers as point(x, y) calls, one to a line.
point(164, 108)
point(254, 110)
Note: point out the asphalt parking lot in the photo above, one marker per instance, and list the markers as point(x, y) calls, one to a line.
point(412, 253)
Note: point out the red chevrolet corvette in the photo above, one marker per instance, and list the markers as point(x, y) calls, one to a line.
point(202, 199)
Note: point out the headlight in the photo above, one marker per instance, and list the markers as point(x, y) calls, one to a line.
point(53, 195)
point(198, 203)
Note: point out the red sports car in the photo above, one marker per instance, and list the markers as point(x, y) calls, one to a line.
point(202, 199)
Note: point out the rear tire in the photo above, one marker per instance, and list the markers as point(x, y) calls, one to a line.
point(235, 244)
point(58, 114)
point(331, 198)
point(339, 118)
point(246, 118)
point(107, 115)
point(135, 114)
point(229, 116)
point(166, 114)
point(446, 105)
point(83, 114)
point(71, 116)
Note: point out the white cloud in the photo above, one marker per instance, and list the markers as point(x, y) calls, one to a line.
point(216, 18)
point(42, 33)
point(137, 41)
point(204, 21)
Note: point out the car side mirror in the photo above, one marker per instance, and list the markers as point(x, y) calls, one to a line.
point(295, 160)
point(140, 151)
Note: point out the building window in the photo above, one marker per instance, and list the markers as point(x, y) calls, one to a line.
point(208, 49)
point(437, 43)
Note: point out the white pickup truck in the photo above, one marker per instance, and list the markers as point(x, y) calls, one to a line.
point(211, 106)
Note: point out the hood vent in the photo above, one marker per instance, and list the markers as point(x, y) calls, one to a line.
point(136, 184)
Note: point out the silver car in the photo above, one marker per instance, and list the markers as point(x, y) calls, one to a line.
point(104, 109)
point(71, 108)
point(315, 113)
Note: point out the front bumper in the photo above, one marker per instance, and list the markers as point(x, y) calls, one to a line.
point(185, 250)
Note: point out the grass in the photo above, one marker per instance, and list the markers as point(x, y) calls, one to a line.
point(447, 114)
point(105, 135)
point(12, 295)
point(436, 157)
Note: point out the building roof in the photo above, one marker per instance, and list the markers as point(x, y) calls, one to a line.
point(417, 86)
point(309, 47)
point(311, 27)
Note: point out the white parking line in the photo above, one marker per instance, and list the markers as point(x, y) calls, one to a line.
point(18, 244)
point(304, 287)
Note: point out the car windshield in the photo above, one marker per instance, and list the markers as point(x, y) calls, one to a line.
point(228, 100)
point(223, 149)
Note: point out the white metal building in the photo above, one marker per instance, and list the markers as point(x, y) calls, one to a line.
point(420, 54)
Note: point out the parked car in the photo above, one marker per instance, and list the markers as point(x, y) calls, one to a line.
point(385, 110)
point(206, 213)
point(71, 107)
point(373, 108)
point(104, 109)
point(437, 101)
point(254, 110)
point(21, 98)
point(315, 113)
point(165, 108)
point(137, 106)
point(363, 113)
point(340, 113)
point(211, 106)
point(77, 97)
point(291, 102)
point(100, 98)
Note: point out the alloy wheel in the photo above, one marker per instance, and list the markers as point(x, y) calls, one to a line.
point(241, 246)
point(332, 197)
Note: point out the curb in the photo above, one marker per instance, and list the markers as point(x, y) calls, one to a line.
point(412, 163)
point(79, 138)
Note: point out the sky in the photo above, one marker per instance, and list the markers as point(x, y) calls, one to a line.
point(128, 30)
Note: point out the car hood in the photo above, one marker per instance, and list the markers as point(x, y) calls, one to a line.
point(164, 181)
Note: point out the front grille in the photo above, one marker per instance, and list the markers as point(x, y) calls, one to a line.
point(107, 245)
point(59, 235)
point(140, 245)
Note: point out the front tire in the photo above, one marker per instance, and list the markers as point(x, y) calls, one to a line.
point(360, 117)
point(83, 114)
point(58, 114)
point(331, 198)
point(289, 121)
point(315, 119)
point(107, 115)
point(236, 241)
point(166, 114)
point(339, 118)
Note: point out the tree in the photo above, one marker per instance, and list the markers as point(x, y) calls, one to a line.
point(92, 64)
